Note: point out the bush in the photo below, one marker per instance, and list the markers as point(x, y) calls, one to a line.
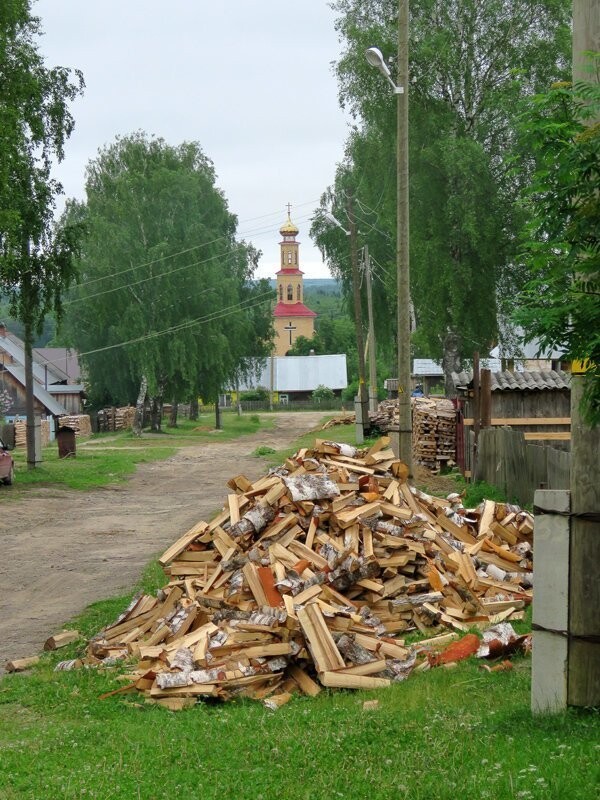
point(322, 393)
point(255, 394)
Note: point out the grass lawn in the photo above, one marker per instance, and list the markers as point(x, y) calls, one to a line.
point(441, 734)
point(111, 457)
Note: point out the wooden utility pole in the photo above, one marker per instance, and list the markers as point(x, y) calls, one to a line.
point(402, 246)
point(361, 404)
point(583, 684)
point(485, 398)
point(372, 357)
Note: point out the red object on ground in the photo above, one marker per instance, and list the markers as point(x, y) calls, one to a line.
point(456, 651)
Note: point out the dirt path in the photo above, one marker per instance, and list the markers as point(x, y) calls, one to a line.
point(62, 550)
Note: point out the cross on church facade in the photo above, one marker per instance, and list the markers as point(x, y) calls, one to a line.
point(289, 327)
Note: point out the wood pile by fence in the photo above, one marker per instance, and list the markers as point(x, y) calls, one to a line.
point(309, 577)
point(434, 432)
point(116, 419)
point(433, 424)
point(21, 433)
point(80, 423)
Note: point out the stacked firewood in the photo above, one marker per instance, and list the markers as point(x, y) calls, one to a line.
point(80, 423)
point(21, 433)
point(309, 577)
point(116, 419)
point(434, 432)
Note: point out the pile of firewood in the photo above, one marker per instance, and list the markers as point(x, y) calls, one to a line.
point(21, 433)
point(80, 423)
point(434, 432)
point(308, 578)
point(116, 419)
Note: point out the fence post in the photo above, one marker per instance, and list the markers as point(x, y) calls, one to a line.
point(551, 601)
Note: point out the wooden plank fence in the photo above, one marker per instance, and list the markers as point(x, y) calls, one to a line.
point(506, 460)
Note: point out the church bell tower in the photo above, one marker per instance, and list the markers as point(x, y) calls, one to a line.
point(292, 317)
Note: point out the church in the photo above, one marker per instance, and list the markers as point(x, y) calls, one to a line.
point(291, 317)
point(292, 378)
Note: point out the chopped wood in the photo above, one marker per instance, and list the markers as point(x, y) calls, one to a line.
point(21, 664)
point(310, 576)
point(61, 639)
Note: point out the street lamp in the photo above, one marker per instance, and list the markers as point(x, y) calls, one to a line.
point(375, 58)
point(403, 445)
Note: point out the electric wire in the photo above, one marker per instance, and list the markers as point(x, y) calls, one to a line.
point(220, 314)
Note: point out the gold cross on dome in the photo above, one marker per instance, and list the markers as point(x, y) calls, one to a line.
point(289, 208)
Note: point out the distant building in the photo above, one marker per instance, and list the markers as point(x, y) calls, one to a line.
point(53, 390)
point(291, 317)
point(296, 377)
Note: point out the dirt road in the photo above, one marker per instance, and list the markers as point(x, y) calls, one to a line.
point(62, 550)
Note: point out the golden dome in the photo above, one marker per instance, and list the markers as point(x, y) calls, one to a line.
point(288, 228)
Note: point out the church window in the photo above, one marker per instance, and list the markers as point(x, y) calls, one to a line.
point(280, 291)
point(296, 258)
point(298, 298)
point(289, 256)
point(290, 292)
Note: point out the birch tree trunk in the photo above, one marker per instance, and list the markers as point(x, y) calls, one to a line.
point(138, 420)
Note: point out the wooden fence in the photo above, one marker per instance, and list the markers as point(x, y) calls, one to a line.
point(506, 460)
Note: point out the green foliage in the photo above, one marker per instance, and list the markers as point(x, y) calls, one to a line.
point(263, 450)
point(304, 346)
point(259, 393)
point(469, 64)
point(167, 290)
point(36, 263)
point(560, 304)
point(322, 393)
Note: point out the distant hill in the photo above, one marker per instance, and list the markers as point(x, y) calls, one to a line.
point(323, 285)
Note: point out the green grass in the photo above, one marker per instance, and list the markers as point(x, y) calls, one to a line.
point(438, 734)
point(111, 457)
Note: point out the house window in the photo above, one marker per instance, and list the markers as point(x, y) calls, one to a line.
point(298, 298)
point(290, 292)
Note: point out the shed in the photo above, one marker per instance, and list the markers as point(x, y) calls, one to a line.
point(537, 402)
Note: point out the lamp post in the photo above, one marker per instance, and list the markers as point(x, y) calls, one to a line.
point(374, 56)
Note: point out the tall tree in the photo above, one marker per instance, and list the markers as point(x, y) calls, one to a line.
point(36, 265)
point(166, 297)
point(469, 63)
point(560, 305)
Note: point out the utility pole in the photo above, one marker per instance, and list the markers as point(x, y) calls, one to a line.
point(361, 402)
point(373, 403)
point(402, 246)
point(583, 683)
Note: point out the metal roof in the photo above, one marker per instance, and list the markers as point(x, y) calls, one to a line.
point(528, 380)
point(40, 394)
point(300, 373)
point(14, 347)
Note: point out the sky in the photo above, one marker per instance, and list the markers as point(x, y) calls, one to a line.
point(251, 80)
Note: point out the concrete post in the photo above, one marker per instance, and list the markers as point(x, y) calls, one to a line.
point(550, 601)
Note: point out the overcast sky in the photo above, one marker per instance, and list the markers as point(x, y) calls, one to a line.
point(251, 80)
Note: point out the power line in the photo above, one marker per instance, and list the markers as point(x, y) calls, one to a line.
point(225, 312)
point(242, 234)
